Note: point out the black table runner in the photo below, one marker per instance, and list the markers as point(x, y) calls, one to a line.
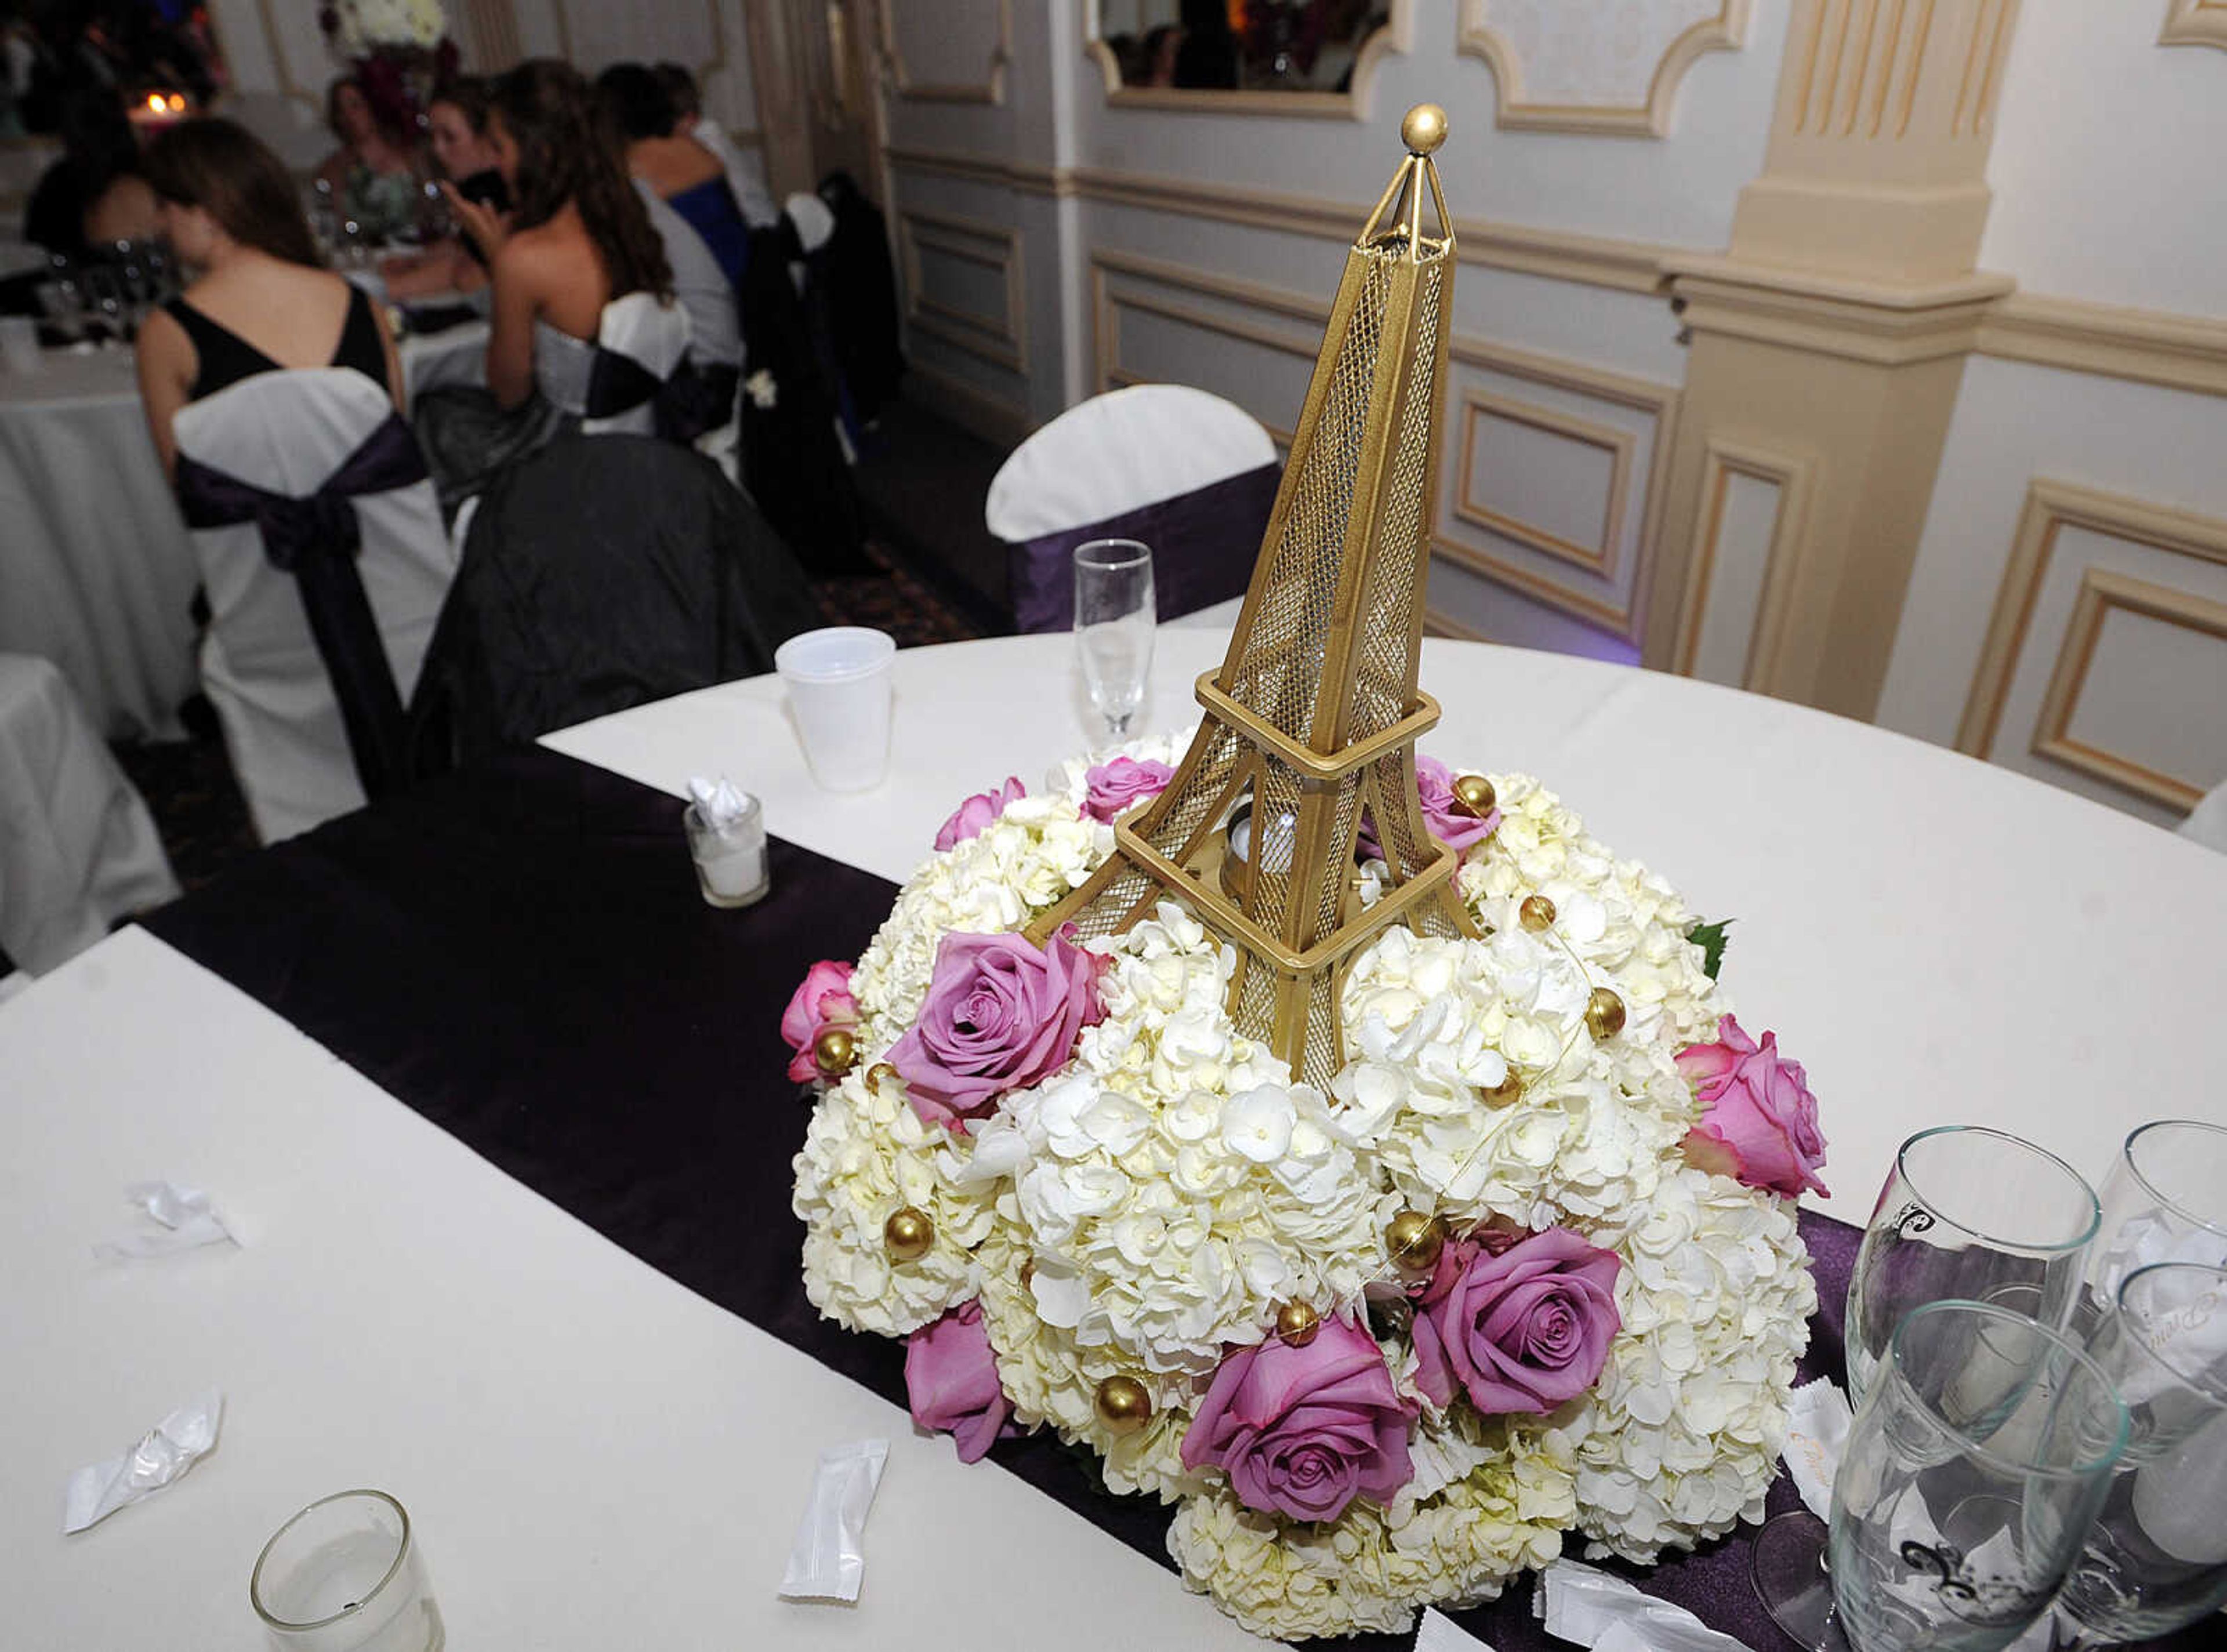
point(518, 953)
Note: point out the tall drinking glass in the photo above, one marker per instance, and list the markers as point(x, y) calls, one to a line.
point(2156, 1557)
point(1973, 1471)
point(1114, 613)
point(2165, 1201)
point(1972, 1214)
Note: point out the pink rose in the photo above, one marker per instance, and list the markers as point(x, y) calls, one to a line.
point(1445, 822)
point(951, 1381)
point(999, 1014)
point(1758, 1108)
point(977, 812)
point(822, 1001)
point(1302, 1431)
point(1521, 1330)
point(1119, 785)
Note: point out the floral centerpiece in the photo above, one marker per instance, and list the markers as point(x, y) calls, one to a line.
point(400, 50)
point(1527, 1267)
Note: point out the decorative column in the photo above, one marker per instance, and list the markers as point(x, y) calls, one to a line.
point(1828, 346)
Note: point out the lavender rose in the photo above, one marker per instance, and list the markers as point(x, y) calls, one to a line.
point(823, 1001)
point(1119, 785)
point(1302, 1431)
point(1759, 1122)
point(951, 1381)
point(999, 1014)
point(1441, 818)
point(977, 812)
point(1521, 1330)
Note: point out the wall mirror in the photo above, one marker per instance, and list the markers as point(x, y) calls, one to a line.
point(1271, 56)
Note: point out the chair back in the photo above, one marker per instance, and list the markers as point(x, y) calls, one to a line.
point(324, 561)
point(640, 342)
point(1191, 474)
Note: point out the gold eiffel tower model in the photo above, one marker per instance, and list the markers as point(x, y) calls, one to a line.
point(1315, 711)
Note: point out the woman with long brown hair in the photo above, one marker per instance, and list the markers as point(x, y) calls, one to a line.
point(260, 300)
point(376, 173)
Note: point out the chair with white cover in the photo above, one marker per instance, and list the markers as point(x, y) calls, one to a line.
point(1189, 473)
point(613, 385)
point(77, 849)
point(325, 564)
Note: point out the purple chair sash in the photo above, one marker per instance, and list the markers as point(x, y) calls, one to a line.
point(316, 539)
point(1204, 542)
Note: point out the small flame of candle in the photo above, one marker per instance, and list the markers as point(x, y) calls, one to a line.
point(154, 104)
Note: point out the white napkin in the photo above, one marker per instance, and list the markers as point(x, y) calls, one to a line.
point(186, 1220)
point(1577, 1603)
point(1438, 1633)
point(828, 1560)
point(175, 1444)
point(1818, 1424)
point(718, 801)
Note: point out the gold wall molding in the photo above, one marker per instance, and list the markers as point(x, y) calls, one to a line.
point(1600, 558)
point(968, 405)
point(1439, 624)
point(1002, 341)
point(1725, 31)
point(2195, 22)
point(1888, 323)
point(1790, 475)
point(2152, 346)
point(491, 26)
point(2104, 592)
point(991, 87)
point(282, 69)
point(2050, 507)
point(1396, 33)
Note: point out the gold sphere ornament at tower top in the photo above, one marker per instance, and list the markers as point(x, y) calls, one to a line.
point(1508, 1091)
point(907, 1234)
point(833, 1051)
point(1297, 1322)
point(1536, 913)
point(1416, 1239)
point(1123, 1406)
point(1424, 129)
point(1474, 796)
point(1603, 1014)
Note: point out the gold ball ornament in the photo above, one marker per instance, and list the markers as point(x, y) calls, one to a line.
point(1416, 1239)
point(907, 1234)
point(833, 1051)
point(1603, 1014)
point(1424, 129)
point(1536, 913)
point(879, 1073)
point(1474, 796)
point(1507, 1092)
point(1297, 1323)
point(1123, 1406)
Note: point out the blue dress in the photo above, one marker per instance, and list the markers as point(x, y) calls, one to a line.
point(709, 209)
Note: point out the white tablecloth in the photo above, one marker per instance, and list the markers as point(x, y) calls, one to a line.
point(597, 1457)
point(96, 571)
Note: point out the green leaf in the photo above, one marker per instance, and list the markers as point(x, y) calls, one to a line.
point(1710, 938)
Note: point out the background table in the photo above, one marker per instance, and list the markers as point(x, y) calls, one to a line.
point(96, 571)
point(597, 1457)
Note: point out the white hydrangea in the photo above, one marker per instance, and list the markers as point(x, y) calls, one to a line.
point(1071, 779)
point(362, 26)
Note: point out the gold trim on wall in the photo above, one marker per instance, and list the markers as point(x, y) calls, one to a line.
point(1396, 33)
point(2152, 346)
point(1791, 476)
point(2101, 592)
point(2195, 22)
point(1600, 561)
point(2049, 507)
point(1725, 32)
point(991, 91)
point(1002, 342)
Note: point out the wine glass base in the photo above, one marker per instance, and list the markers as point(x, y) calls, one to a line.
point(1788, 1568)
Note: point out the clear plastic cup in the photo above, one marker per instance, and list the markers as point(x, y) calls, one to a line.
point(19, 345)
point(344, 1576)
point(839, 684)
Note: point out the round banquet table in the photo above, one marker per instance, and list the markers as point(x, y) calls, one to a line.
point(96, 571)
point(595, 1456)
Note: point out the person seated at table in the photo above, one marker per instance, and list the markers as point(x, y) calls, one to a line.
point(259, 299)
point(676, 168)
point(375, 174)
point(745, 177)
point(94, 196)
point(456, 132)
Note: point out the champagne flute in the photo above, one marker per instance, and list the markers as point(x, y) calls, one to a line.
point(1114, 621)
point(2165, 1201)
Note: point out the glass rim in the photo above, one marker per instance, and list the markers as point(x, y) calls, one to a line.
point(401, 1553)
point(1140, 553)
point(2210, 1388)
point(1933, 1207)
point(1979, 1449)
point(2127, 1157)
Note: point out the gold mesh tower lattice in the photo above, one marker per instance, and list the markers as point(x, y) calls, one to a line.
point(1314, 713)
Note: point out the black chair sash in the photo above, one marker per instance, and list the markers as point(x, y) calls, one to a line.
point(618, 384)
point(316, 539)
point(1204, 544)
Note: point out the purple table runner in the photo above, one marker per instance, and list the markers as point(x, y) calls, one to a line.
point(518, 953)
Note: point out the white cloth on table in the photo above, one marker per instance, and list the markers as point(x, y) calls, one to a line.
point(77, 849)
point(1120, 450)
point(287, 433)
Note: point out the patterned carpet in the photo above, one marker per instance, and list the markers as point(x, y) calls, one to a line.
point(203, 821)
